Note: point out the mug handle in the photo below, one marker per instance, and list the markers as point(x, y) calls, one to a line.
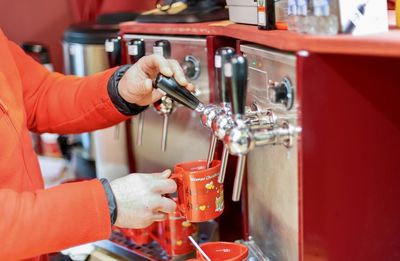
point(180, 200)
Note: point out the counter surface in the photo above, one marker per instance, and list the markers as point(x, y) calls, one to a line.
point(383, 44)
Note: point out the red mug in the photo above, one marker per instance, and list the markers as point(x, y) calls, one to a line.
point(200, 195)
point(227, 251)
point(141, 236)
point(173, 234)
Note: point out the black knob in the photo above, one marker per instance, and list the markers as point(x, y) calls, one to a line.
point(113, 49)
point(223, 85)
point(191, 67)
point(236, 69)
point(136, 49)
point(282, 93)
point(163, 48)
point(177, 92)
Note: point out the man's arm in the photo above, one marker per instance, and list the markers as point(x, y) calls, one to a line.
point(25, 215)
point(69, 104)
point(35, 223)
point(64, 104)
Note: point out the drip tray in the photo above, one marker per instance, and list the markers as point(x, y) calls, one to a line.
point(125, 248)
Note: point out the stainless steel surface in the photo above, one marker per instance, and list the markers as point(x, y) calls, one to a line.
point(116, 132)
point(191, 67)
point(223, 122)
point(84, 59)
point(284, 135)
point(240, 140)
point(139, 136)
point(120, 250)
point(237, 184)
point(209, 114)
point(273, 170)
point(261, 119)
point(200, 108)
point(223, 125)
point(164, 136)
point(211, 151)
point(187, 139)
point(224, 163)
point(255, 253)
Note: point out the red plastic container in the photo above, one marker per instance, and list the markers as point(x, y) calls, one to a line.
point(200, 195)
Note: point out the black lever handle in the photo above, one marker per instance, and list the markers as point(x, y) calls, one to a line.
point(236, 69)
point(178, 92)
point(136, 49)
point(222, 55)
point(113, 49)
point(163, 48)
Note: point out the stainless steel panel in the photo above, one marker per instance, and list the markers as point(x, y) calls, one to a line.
point(84, 59)
point(273, 170)
point(108, 150)
point(187, 139)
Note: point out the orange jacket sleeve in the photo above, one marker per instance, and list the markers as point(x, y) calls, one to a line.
point(41, 221)
point(64, 104)
point(72, 214)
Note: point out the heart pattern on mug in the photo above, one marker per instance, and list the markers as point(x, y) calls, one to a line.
point(202, 207)
point(186, 223)
point(210, 185)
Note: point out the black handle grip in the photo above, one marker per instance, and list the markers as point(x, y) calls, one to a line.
point(163, 48)
point(236, 69)
point(136, 49)
point(177, 92)
point(113, 49)
point(223, 85)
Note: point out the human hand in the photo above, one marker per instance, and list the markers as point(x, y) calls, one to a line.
point(140, 201)
point(136, 86)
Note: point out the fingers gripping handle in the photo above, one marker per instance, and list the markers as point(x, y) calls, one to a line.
point(178, 93)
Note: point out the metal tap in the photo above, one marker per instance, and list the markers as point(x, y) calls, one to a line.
point(174, 92)
point(178, 93)
point(239, 140)
point(136, 50)
point(283, 135)
point(253, 129)
point(163, 48)
point(210, 112)
point(164, 107)
point(223, 86)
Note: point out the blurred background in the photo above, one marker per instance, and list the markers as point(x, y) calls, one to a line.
point(29, 21)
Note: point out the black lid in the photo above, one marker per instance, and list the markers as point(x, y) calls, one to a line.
point(90, 33)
